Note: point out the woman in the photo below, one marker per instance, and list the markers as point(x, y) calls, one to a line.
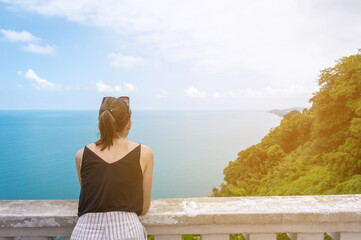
point(115, 176)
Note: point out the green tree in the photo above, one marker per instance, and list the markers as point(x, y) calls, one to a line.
point(317, 151)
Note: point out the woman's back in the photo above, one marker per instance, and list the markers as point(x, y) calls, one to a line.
point(115, 185)
point(120, 148)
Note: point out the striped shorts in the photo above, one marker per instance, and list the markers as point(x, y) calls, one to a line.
point(112, 225)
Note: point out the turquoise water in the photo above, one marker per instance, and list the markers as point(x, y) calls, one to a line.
point(191, 148)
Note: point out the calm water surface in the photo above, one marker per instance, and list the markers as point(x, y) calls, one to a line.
point(191, 148)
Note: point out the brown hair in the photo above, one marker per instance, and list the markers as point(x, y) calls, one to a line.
point(114, 114)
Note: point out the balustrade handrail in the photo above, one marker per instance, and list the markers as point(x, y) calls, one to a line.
point(212, 218)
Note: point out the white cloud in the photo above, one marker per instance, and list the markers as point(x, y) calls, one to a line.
point(194, 92)
point(35, 48)
point(216, 95)
point(271, 92)
point(121, 61)
point(23, 36)
point(129, 87)
point(277, 43)
point(163, 94)
point(275, 38)
point(103, 87)
point(41, 83)
point(268, 97)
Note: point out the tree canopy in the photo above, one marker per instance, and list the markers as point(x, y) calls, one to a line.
point(316, 151)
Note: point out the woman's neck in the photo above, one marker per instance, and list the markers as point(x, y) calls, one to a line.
point(119, 140)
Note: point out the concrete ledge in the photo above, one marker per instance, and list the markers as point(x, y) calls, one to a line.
point(284, 210)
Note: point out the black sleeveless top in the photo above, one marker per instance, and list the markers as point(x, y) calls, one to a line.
point(116, 186)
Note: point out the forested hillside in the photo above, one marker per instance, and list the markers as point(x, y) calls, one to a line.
point(316, 151)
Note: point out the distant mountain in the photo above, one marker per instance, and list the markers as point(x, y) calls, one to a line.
point(282, 112)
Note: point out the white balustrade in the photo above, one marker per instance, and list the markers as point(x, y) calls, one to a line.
point(257, 218)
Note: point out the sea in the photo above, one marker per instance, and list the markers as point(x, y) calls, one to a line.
point(191, 148)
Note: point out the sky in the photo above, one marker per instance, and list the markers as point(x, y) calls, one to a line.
point(171, 55)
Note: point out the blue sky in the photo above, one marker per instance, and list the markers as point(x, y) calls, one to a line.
point(216, 55)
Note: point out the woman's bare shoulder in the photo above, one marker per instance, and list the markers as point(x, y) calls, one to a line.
point(79, 154)
point(143, 148)
point(146, 150)
point(90, 146)
point(131, 144)
point(147, 154)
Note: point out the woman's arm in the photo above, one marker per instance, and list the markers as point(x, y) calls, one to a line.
point(147, 156)
point(78, 158)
